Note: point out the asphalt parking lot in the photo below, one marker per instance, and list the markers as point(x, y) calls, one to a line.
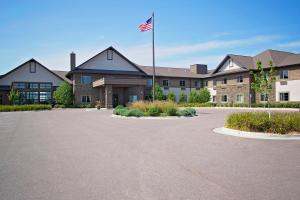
point(87, 154)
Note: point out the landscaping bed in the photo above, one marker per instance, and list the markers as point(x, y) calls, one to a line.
point(257, 105)
point(153, 109)
point(279, 123)
point(11, 108)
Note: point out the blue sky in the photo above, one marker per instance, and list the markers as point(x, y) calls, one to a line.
point(187, 32)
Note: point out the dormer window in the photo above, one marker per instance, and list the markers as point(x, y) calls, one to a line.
point(32, 67)
point(110, 54)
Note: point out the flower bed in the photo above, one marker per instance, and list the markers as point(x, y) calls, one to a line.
point(156, 108)
point(280, 123)
point(11, 108)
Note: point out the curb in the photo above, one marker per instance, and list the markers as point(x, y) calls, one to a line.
point(160, 118)
point(255, 135)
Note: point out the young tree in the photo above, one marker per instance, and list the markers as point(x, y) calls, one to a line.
point(158, 93)
point(171, 96)
point(14, 96)
point(194, 97)
point(64, 94)
point(182, 97)
point(204, 95)
point(263, 81)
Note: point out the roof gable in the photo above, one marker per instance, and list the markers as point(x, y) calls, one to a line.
point(22, 74)
point(233, 63)
point(117, 63)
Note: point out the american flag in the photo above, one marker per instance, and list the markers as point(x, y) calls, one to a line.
point(146, 26)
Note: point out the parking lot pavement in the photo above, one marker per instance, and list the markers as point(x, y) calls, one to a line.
point(87, 154)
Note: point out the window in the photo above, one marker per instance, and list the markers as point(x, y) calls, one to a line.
point(45, 96)
point(1, 100)
point(284, 74)
point(133, 98)
point(230, 63)
point(19, 85)
point(264, 97)
point(165, 83)
point(224, 81)
point(85, 99)
point(33, 85)
point(182, 83)
point(110, 54)
point(32, 97)
point(32, 67)
point(284, 96)
point(45, 85)
point(149, 82)
point(205, 83)
point(224, 98)
point(215, 82)
point(86, 79)
point(214, 98)
point(197, 84)
point(240, 98)
point(240, 79)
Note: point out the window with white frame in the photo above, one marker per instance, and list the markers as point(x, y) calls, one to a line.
point(284, 96)
point(149, 82)
point(32, 67)
point(197, 84)
point(224, 81)
point(182, 83)
point(230, 63)
point(133, 98)
point(224, 98)
point(85, 99)
point(240, 98)
point(165, 83)
point(284, 74)
point(214, 98)
point(86, 80)
point(205, 83)
point(240, 79)
point(110, 54)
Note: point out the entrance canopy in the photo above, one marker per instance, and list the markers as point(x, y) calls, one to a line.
point(119, 81)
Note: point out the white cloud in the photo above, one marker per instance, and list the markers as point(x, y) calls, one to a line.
point(165, 55)
point(292, 44)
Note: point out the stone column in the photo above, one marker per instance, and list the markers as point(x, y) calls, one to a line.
point(108, 96)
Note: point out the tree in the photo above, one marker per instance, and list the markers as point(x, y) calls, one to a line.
point(158, 93)
point(64, 94)
point(14, 96)
point(194, 97)
point(182, 97)
point(171, 96)
point(263, 81)
point(204, 95)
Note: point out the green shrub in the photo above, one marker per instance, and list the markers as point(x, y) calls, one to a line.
point(119, 107)
point(121, 111)
point(187, 112)
point(154, 111)
point(182, 97)
point(158, 92)
point(197, 104)
point(171, 111)
point(64, 94)
point(59, 106)
point(133, 113)
point(281, 123)
point(204, 95)
point(10, 108)
point(194, 97)
point(171, 96)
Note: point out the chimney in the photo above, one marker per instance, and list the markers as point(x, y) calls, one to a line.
point(198, 68)
point(72, 60)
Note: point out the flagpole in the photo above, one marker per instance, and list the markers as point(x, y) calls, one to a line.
point(153, 59)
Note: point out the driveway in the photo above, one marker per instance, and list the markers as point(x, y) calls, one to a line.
point(86, 154)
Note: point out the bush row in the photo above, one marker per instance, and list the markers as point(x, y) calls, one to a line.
point(10, 108)
point(281, 123)
point(156, 108)
point(258, 105)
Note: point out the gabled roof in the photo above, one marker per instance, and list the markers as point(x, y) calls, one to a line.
point(62, 74)
point(109, 48)
point(171, 72)
point(31, 60)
